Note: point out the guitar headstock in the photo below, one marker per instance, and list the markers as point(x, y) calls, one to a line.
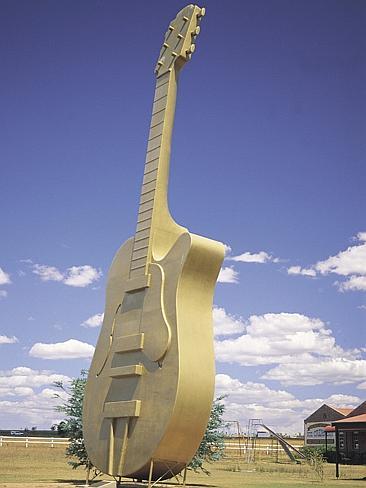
point(179, 39)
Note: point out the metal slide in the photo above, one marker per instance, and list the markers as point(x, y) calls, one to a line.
point(286, 446)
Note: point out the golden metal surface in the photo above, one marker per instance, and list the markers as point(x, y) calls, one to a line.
point(150, 385)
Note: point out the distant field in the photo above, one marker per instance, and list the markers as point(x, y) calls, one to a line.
point(39, 466)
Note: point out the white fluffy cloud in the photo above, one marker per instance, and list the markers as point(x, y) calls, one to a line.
point(228, 275)
point(225, 323)
point(47, 273)
point(273, 338)
point(317, 371)
point(279, 409)
point(81, 276)
point(255, 257)
point(8, 340)
point(250, 392)
point(27, 397)
point(300, 350)
point(354, 283)
point(4, 280)
point(94, 321)
point(70, 349)
point(298, 270)
point(227, 249)
point(4, 277)
point(350, 263)
point(23, 376)
point(77, 276)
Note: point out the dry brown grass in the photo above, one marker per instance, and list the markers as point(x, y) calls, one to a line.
point(44, 467)
point(36, 463)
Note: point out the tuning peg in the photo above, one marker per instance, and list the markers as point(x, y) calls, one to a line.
point(191, 50)
point(196, 31)
point(202, 12)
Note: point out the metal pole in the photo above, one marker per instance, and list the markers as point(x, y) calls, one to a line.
point(238, 426)
point(337, 452)
point(150, 473)
point(87, 474)
point(184, 476)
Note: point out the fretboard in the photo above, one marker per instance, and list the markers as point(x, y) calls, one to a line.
point(143, 236)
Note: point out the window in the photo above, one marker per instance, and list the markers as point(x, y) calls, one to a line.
point(341, 441)
point(355, 441)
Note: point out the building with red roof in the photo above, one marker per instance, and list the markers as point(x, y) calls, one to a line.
point(315, 425)
point(350, 437)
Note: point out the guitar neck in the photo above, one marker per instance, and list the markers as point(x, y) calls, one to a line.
point(154, 219)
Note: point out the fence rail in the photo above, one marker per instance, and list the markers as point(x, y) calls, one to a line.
point(231, 448)
point(27, 441)
point(266, 447)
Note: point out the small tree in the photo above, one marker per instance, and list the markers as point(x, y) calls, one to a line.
point(316, 459)
point(72, 426)
point(212, 445)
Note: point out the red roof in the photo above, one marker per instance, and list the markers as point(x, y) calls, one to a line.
point(343, 411)
point(349, 420)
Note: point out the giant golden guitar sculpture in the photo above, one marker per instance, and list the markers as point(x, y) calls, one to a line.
point(150, 386)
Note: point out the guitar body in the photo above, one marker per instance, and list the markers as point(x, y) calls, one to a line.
point(175, 379)
point(150, 387)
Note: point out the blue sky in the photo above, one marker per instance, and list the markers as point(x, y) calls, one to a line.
point(268, 157)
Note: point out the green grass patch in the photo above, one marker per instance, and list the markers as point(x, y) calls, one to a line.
point(20, 466)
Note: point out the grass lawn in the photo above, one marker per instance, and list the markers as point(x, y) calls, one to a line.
point(38, 466)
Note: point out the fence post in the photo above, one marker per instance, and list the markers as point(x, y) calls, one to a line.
point(1, 442)
point(26, 442)
point(52, 442)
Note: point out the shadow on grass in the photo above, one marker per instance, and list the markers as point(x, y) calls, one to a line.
point(70, 482)
point(133, 485)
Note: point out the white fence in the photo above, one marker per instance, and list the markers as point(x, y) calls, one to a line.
point(27, 441)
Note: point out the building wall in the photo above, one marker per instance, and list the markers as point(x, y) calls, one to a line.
point(316, 422)
point(315, 435)
point(352, 445)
